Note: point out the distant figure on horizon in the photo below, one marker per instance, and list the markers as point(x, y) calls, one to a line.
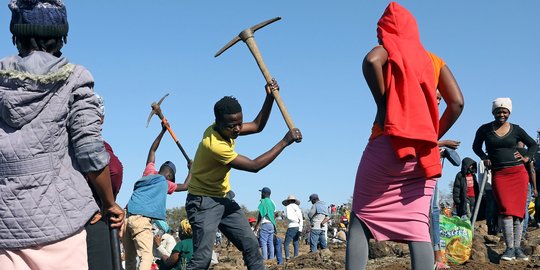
point(266, 224)
point(399, 167)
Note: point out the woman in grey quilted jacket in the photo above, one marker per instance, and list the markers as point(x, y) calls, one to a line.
point(49, 139)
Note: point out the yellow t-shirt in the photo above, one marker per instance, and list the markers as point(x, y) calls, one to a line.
point(210, 170)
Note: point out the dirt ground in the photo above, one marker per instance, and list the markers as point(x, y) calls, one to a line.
point(394, 256)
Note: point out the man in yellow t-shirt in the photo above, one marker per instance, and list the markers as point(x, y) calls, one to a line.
point(210, 203)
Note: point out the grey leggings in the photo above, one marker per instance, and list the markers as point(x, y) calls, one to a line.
point(357, 248)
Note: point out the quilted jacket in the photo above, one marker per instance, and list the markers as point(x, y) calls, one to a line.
point(49, 136)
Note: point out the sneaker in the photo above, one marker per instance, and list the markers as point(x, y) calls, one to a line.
point(509, 254)
point(520, 255)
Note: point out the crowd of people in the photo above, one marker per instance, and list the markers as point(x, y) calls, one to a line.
point(60, 178)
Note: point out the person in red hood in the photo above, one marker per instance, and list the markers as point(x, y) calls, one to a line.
point(400, 164)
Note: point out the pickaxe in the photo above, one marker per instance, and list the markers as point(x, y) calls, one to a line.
point(248, 37)
point(156, 109)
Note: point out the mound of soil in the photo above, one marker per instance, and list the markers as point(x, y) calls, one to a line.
point(395, 256)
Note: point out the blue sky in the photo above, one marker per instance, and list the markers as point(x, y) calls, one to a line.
point(139, 50)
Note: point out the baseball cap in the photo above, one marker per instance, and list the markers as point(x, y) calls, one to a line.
point(172, 166)
point(265, 190)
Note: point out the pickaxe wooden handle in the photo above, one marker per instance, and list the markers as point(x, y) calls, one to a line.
point(156, 109)
point(248, 37)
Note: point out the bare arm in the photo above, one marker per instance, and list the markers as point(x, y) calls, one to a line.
point(102, 184)
point(171, 260)
point(245, 164)
point(184, 186)
point(152, 152)
point(372, 67)
point(449, 143)
point(453, 98)
point(258, 124)
point(532, 177)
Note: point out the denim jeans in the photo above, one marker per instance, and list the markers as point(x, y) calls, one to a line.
point(435, 228)
point(526, 219)
point(293, 235)
point(266, 240)
point(278, 244)
point(317, 236)
point(206, 215)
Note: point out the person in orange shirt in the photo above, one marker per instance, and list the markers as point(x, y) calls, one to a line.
point(399, 166)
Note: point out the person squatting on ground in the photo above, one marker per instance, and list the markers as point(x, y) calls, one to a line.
point(509, 176)
point(50, 139)
point(466, 189)
point(97, 231)
point(182, 251)
point(295, 220)
point(148, 202)
point(266, 224)
point(163, 241)
point(399, 166)
point(318, 216)
point(210, 202)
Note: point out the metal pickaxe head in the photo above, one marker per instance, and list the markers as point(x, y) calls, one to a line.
point(156, 109)
point(246, 34)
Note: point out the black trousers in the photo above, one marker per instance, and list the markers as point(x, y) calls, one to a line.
point(99, 246)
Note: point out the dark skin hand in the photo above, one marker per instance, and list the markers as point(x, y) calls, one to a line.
point(245, 164)
point(232, 126)
point(372, 68)
point(102, 184)
point(449, 143)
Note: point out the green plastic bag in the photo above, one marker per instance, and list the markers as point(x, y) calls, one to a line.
point(456, 239)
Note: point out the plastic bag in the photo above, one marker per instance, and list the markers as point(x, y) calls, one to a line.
point(456, 239)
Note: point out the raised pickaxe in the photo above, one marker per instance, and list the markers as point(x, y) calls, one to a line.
point(156, 109)
point(248, 37)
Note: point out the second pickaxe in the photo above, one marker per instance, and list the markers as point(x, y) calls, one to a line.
point(156, 109)
point(248, 37)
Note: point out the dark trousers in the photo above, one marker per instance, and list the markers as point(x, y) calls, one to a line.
point(492, 210)
point(98, 246)
point(206, 215)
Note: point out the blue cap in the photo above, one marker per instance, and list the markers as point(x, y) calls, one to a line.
point(170, 165)
point(265, 190)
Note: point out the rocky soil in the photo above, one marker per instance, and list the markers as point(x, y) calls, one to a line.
point(393, 256)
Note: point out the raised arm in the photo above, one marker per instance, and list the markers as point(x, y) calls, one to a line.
point(152, 152)
point(258, 124)
point(453, 98)
point(245, 164)
point(372, 67)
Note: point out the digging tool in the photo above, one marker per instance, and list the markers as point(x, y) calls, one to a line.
point(248, 37)
point(115, 246)
point(156, 109)
point(479, 199)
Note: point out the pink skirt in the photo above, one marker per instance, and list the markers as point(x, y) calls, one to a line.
point(392, 197)
point(67, 254)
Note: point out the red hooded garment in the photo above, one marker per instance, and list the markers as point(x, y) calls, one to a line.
point(412, 116)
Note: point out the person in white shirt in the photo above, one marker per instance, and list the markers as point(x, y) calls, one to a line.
point(163, 241)
point(296, 224)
